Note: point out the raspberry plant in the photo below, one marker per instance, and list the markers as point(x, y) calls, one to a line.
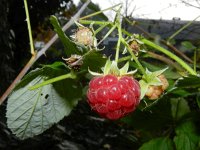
point(46, 95)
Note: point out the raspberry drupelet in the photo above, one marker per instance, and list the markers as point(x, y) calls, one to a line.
point(113, 97)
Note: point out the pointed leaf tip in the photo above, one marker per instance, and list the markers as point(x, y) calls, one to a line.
point(107, 67)
point(144, 87)
point(159, 72)
point(114, 69)
point(94, 73)
point(124, 69)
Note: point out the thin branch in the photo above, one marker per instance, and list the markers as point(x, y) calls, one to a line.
point(190, 4)
point(181, 29)
point(158, 57)
point(29, 28)
point(178, 52)
point(99, 12)
point(52, 80)
point(165, 60)
point(40, 53)
point(169, 54)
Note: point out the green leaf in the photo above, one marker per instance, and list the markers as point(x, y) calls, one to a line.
point(144, 87)
point(106, 69)
point(159, 72)
point(94, 73)
point(183, 142)
point(94, 61)
point(181, 92)
point(31, 112)
point(179, 107)
point(162, 143)
point(169, 73)
point(187, 127)
point(154, 120)
point(124, 69)
point(154, 81)
point(57, 65)
point(114, 69)
point(152, 66)
point(188, 45)
point(188, 82)
point(68, 44)
point(186, 137)
point(152, 77)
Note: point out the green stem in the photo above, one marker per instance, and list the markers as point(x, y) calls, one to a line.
point(126, 32)
point(181, 29)
point(118, 43)
point(99, 29)
point(171, 55)
point(165, 60)
point(124, 59)
point(95, 22)
point(62, 77)
point(165, 51)
point(134, 57)
point(98, 12)
point(29, 28)
point(195, 60)
point(108, 33)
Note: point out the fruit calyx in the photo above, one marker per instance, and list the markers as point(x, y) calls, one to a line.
point(74, 61)
point(153, 84)
point(112, 68)
point(135, 44)
point(154, 92)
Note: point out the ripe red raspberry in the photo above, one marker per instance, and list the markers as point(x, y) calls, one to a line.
point(113, 97)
